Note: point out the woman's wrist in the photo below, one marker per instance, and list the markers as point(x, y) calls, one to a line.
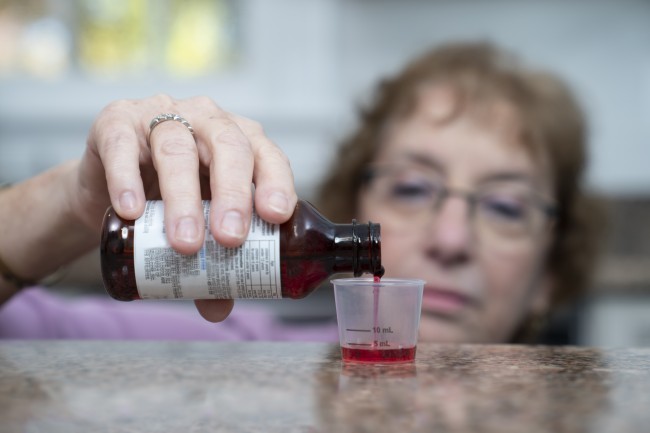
point(9, 281)
point(39, 231)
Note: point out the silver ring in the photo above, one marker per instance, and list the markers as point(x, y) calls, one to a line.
point(169, 116)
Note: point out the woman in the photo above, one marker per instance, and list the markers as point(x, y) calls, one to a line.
point(471, 164)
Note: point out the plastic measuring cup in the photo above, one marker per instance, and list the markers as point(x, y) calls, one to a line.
point(378, 321)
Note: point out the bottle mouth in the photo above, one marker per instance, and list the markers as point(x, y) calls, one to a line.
point(375, 249)
point(370, 242)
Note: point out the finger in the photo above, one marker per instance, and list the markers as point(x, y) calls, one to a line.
point(275, 194)
point(214, 310)
point(231, 173)
point(115, 141)
point(176, 160)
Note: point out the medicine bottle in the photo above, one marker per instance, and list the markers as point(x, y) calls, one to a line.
point(276, 261)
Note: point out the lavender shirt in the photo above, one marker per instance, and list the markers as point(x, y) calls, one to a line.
point(35, 313)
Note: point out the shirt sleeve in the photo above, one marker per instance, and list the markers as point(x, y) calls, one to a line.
point(36, 313)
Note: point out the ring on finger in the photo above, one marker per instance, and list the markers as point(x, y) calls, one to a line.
point(169, 116)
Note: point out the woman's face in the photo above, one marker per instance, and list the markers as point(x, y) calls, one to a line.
point(481, 245)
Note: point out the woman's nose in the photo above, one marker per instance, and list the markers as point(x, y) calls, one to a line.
point(452, 233)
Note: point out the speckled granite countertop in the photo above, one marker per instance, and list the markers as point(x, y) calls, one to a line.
point(93, 386)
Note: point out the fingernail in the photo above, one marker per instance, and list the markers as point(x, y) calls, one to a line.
point(187, 230)
point(127, 200)
point(278, 202)
point(233, 224)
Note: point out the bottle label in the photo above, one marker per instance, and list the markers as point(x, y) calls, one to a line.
point(215, 272)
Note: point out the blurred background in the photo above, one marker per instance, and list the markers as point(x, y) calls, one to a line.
point(300, 67)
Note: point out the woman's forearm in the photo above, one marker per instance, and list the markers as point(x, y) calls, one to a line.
point(39, 231)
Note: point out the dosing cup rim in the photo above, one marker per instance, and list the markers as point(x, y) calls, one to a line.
point(382, 282)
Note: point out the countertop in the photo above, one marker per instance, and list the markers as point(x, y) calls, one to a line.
point(104, 386)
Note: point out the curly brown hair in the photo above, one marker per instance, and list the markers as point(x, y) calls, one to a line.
point(552, 127)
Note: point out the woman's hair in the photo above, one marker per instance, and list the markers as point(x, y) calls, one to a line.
point(552, 128)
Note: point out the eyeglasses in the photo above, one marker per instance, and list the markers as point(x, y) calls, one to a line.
point(507, 208)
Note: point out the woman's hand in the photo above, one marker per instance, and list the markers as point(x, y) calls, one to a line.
point(124, 165)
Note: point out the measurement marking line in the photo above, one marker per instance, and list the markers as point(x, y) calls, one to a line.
point(358, 330)
point(359, 344)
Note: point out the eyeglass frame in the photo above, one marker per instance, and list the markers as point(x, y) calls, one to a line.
point(549, 210)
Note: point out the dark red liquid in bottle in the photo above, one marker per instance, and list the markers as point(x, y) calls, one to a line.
point(311, 249)
point(406, 354)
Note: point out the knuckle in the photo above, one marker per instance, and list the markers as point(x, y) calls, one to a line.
point(107, 138)
point(233, 193)
point(250, 127)
point(117, 105)
point(116, 139)
point(230, 138)
point(163, 100)
point(204, 101)
point(167, 146)
point(273, 152)
point(182, 199)
point(113, 112)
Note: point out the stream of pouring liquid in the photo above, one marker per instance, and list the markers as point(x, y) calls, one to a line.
point(375, 309)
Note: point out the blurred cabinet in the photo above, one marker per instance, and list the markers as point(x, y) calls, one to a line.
point(617, 311)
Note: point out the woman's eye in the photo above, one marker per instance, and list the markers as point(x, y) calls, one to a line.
point(411, 191)
point(507, 209)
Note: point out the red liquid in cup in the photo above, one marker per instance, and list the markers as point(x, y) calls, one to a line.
point(372, 354)
point(405, 354)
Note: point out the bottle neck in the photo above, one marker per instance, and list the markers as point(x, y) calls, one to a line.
point(358, 248)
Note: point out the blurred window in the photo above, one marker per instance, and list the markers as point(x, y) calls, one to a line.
point(117, 39)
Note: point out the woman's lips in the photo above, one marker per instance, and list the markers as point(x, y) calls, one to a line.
point(444, 301)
